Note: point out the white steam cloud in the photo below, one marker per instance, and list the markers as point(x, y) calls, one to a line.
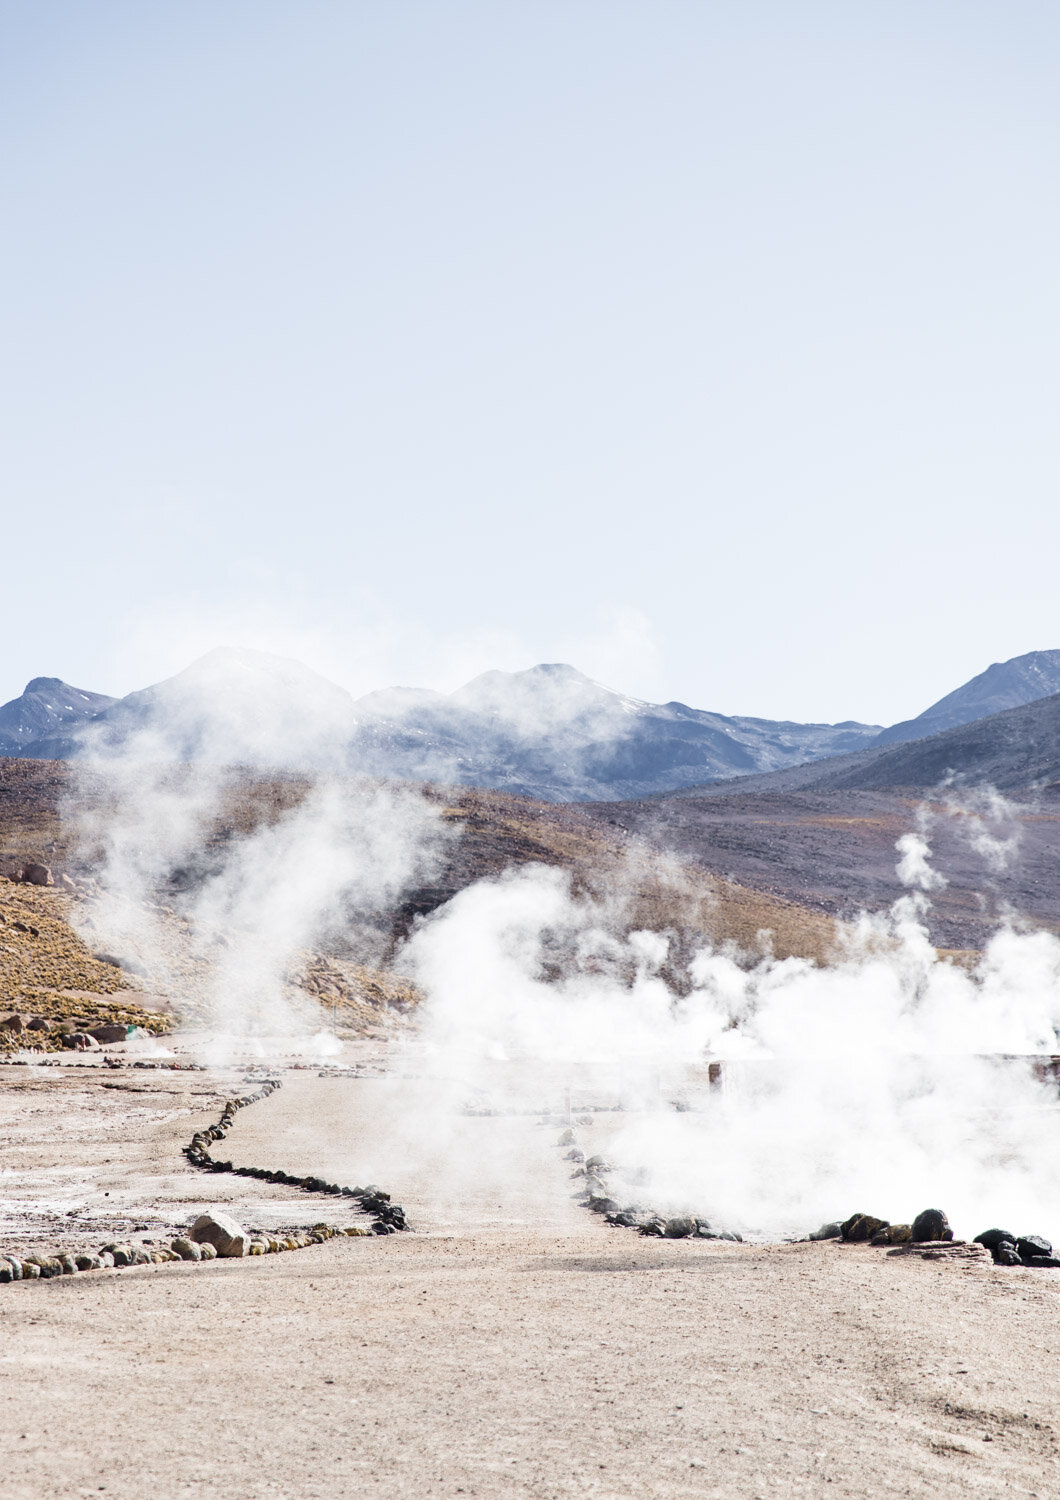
point(887, 1081)
point(210, 881)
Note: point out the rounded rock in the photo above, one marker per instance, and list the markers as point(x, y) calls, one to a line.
point(992, 1238)
point(931, 1224)
point(1033, 1245)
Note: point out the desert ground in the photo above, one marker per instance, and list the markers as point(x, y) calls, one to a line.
point(511, 1345)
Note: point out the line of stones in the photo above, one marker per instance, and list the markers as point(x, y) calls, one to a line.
point(118, 1253)
point(595, 1195)
point(388, 1217)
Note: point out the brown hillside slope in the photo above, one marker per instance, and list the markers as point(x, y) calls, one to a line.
point(496, 832)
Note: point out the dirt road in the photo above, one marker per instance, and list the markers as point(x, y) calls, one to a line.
point(513, 1346)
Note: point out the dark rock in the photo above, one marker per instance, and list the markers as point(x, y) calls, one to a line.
point(40, 1023)
point(15, 1266)
point(931, 1224)
point(68, 1263)
point(827, 1232)
point(679, 1229)
point(1030, 1245)
point(13, 1023)
point(992, 1238)
point(861, 1227)
point(88, 1262)
point(894, 1234)
point(186, 1249)
point(622, 1220)
point(1006, 1255)
point(602, 1205)
point(1042, 1262)
point(730, 1234)
point(34, 874)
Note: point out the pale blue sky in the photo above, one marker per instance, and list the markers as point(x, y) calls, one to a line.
point(710, 346)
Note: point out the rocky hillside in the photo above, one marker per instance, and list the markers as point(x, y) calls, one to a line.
point(833, 851)
point(1007, 684)
point(495, 832)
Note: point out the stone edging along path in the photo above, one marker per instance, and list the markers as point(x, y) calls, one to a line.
point(389, 1217)
point(928, 1236)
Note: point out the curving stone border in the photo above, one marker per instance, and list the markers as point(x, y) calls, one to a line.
point(389, 1217)
point(596, 1196)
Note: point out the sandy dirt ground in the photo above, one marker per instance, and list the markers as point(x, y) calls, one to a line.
point(512, 1346)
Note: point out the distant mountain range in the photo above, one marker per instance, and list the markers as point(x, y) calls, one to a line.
point(549, 732)
point(1014, 750)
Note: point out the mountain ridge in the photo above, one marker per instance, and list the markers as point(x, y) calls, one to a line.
point(549, 732)
point(1005, 684)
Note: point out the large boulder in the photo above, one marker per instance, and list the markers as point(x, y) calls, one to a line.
point(931, 1224)
point(34, 874)
point(79, 1041)
point(227, 1237)
point(109, 1033)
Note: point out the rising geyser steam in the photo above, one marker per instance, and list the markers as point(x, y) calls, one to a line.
point(884, 1081)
